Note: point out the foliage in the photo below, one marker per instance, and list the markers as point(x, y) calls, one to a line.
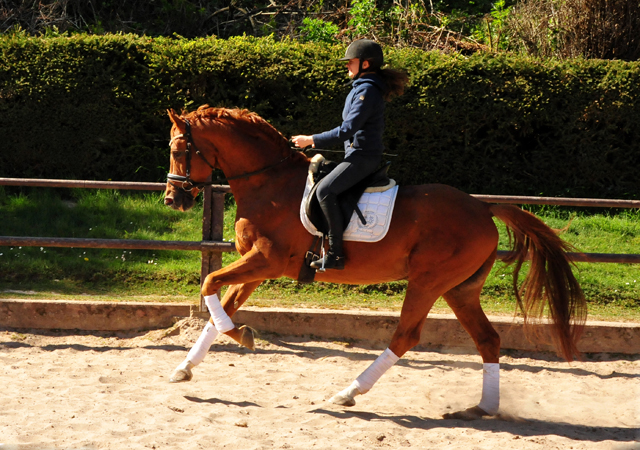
point(318, 30)
point(365, 17)
point(559, 28)
point(491, 31)
point(577, 28)
point(397, 22)
point(65, 100)
point(188, 18)
point(90, 107)
point(511, 124)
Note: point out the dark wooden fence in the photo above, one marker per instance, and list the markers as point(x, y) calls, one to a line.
point(212, 245)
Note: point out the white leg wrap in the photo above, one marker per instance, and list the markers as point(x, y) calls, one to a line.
point(185, 365)
point(203, 344)
point(490, 388)
point(220, 318)
point(368, 378)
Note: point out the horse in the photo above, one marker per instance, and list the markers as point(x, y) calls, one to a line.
point(443, 241)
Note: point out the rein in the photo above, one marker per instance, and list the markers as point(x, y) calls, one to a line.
point(188, 184)
point(310, 149)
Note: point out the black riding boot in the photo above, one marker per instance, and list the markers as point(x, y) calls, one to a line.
point(334, 258)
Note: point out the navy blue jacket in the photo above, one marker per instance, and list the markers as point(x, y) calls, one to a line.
point(362, 120)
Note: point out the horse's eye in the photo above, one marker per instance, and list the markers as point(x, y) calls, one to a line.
point(177, 154)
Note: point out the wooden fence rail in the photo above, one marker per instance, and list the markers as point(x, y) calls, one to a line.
point(130, 244)
point(512, 199)
point(212, 245)
point(215, 246)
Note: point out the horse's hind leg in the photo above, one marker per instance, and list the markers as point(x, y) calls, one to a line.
point(235, 295)
point(418, 301)
point(464, 300)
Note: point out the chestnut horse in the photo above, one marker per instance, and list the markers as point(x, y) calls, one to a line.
point(441, 240)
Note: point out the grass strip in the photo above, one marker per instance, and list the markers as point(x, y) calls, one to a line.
point(612, 290)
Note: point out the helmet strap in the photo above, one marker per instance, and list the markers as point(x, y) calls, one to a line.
point(360, 61)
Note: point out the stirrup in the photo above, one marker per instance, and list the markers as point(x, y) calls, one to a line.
point(328, 261)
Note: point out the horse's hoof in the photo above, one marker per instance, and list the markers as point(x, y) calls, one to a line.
point(247, 337)
point(473, 413)
point(343, 400)
point(182, 373)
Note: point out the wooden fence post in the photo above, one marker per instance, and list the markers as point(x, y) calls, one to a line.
point(212, 228)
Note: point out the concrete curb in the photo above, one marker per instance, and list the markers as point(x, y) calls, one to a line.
point(440, 330)
point(91, 316)
point(376, 328)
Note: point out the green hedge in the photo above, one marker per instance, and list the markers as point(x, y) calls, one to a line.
point(93, 107)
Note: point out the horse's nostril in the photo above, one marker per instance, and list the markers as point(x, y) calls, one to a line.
point(168, 201)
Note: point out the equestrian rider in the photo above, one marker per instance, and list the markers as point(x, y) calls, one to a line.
point(360, 132)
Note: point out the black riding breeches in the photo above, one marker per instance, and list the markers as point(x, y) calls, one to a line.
point(353, 169)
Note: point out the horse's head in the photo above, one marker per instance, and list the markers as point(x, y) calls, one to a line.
point(189, 169)
point(246, 149)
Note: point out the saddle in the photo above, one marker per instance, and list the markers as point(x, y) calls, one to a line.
point(378, 181)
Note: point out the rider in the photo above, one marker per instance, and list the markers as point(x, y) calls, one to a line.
point(361, 132)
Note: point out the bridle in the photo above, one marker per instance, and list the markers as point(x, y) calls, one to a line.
point(187, 183)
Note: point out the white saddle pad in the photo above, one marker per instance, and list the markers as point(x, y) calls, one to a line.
point(376, 207)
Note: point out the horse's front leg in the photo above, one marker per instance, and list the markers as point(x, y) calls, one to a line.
point(244, 276)
point(252, 267)
point(235, 296)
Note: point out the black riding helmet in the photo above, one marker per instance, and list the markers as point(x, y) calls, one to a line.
point(365, 50)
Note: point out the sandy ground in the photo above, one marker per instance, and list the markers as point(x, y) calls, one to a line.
point(62, 390)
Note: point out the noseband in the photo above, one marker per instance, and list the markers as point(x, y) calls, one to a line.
point(187, 183)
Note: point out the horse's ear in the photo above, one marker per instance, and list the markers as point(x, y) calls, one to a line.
point(176, 119)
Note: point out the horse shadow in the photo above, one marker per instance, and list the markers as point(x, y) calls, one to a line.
point(128, 334)
point(499, 424)
point(90, 348)
point(214, 401)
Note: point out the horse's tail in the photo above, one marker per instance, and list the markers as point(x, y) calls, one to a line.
point(550, 280)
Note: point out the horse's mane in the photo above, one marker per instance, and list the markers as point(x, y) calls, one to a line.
point(249, 122)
